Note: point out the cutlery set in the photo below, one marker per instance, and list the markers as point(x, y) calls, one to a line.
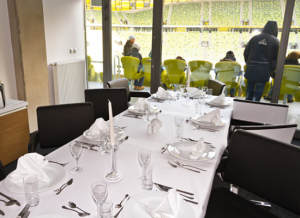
point(74, 206)
point(120, 206)
point(133, 116)
point(58, 191)
point(63, 165)
point(177, 164)
point(24, 213)
point(192, 140)
point(11, 201)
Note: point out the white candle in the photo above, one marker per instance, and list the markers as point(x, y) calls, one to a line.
point(188, 75)
point(111, 125)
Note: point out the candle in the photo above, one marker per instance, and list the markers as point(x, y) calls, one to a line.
point(188, 75)
point(111, 125)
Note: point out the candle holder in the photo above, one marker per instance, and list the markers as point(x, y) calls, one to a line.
point(113, 175)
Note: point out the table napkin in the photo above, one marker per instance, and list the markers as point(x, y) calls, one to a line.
point(140, 104)
point(162, 93)
point(219, 100)
point(194, 92)
point(29, 164)
point(98, 125)
point(213, 117)
point(168, 208)
point(196, 151)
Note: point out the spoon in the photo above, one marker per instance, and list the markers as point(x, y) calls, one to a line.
point(120, 205)
point(8, 203)
point(68, 183)
point(73, 205)
point(175, 166)
point(80, 214)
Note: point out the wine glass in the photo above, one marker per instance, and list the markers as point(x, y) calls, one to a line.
point(147, 108)
point(104, 139)
point(196, 103)
point(178, 122)
point(144, 158)
point(76, 151)
point(99, 195)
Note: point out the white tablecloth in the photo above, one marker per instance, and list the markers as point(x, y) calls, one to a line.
point(95, 166)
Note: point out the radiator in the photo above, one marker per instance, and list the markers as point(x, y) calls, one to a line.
point(69, 81)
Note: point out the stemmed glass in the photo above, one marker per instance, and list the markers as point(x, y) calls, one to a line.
point(201, 101)
point(104, 140)
point(204, 89)
point(147, 108)
point(196, 103)
point(99, 194)
point(76, 151)
point(144, 157)
point(178, 122)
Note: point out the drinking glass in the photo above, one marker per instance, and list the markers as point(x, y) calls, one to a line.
point(104, 140)
point(201, 102)
point(182, 88)
point(196, 103)
point(31, 189)
point(144, 157)
point(107, 209)
point(204, 89)
point(76, 151)
point(147, 108)
point(99, 194)
point(147, 182)
point(178, 122)
point(209, 93)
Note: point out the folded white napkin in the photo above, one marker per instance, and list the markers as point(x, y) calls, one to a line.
point(219, 100)
point(196, 151)
point(213, 117)
point(169, 207)
point(98, 125)
point(162, 93)
point(140, 104)
point(29, 164)
point(194, 92)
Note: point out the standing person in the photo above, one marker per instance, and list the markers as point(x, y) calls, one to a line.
point(291, 59)
point(138, 83)
point(261, 55)
point(128, 45)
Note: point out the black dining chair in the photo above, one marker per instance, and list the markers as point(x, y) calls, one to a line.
point(60, 124)
point(99, 98)
point(2, 172)
point(123, 83)
point(265, 167)
point(217, 86)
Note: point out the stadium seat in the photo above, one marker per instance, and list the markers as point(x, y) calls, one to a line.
point(92, 75)
point(147, 71)
point(175, 72)
point(290, 80)
point(130, 65)
point(199, 73)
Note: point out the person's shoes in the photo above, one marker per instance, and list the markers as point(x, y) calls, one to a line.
point(232, 96)
point(290, 101)
point(267, 98)
point(135, 88)
point(140, 88)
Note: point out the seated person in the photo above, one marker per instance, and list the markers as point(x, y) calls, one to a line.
point(291, 59)
point(138, 84)
point(128, 45)
point(180, 58)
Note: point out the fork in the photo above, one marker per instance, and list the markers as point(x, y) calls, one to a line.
point(63, 165)
point(185, 165)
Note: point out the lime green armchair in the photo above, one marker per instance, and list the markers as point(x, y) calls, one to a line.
point(92, 75)
point(200, 73)
point(131, 65)
point(290, 80)
point(175, 72)
point(147, 71)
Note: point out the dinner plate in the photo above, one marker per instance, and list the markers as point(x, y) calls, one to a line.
point(155, 96)
point(225, 104)
point(134, 110)
point(222, 122)
point(208, 153)
point(55, 172)
point(133, 210)
point(50, 216)
point(88, 135)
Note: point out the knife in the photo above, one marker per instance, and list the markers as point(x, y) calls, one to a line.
point(167, 187)
point(193, 202)
point(2, 213)
point(24, 211)
point(89, 148)
point(10, 198)
point(87, 143)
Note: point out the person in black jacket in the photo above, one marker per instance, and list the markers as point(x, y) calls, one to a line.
point(261, 55)
point(138, 83)
point(291, 59)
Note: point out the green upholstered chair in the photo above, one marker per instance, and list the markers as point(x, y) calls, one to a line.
point(147, 71)
point(227, 72)
point(92, 75)
point(130, 65)
point(199, 73)
point(175, 72)
point(244, 85)
point(290, 80)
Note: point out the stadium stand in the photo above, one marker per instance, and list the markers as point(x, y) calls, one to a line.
point(246, 11)
point(141, 18)
point(206, 11)
point(97, 15)
point(114, 19)
point(226, 13)
point(166, 13)
point(263, 11)
point(186, 14)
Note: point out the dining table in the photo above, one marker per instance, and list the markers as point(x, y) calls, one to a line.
point(96, 166)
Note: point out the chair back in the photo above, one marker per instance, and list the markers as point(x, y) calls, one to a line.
point(290, 79)
point(200, 72)
point(175, 70)
point(131, 65)
point(99, 98)
point(147, 70)
point(217, 86)
point(120, 83)
point(266, 167)
point(253, 113)
point(2, 172)
point(60, 124)
point(227, 72)
point(283, 133)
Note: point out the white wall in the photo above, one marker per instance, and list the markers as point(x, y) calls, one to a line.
point(7, 70)
point(64, 29)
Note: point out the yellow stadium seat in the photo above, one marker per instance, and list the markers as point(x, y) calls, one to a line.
point(199, 73)
point(175, 72)
point(130, 65)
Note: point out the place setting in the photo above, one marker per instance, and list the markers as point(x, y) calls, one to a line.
point(220, 102)
point(141, 110)
point(163, 96)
